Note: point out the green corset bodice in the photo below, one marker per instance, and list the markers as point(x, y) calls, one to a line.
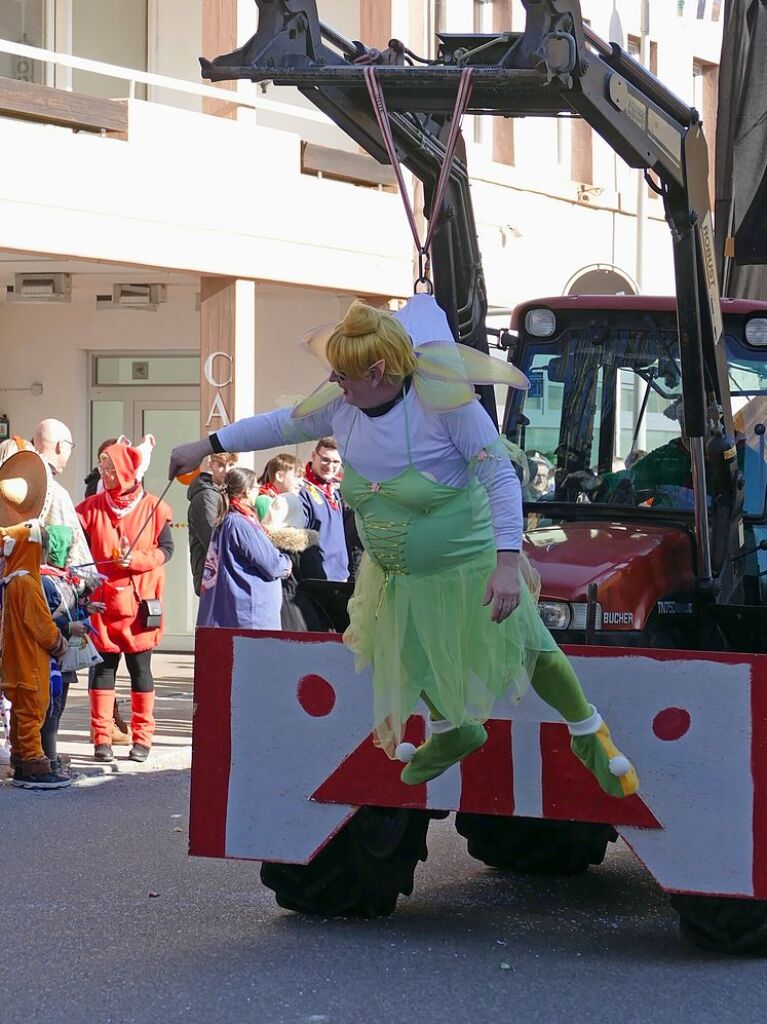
point(413, 525)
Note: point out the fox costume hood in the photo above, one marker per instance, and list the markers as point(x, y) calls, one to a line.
point(28, 633)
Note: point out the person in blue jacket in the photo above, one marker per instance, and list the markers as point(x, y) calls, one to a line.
point(323, 507)
point(240, 586)
point(69, 611)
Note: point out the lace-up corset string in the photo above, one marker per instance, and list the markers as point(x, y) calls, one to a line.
point(386, 537)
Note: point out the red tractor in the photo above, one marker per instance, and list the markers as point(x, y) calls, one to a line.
point(610, 502)
point(651, 566)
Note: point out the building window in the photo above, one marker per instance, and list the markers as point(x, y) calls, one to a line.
point(22, 21)
point(113, 31)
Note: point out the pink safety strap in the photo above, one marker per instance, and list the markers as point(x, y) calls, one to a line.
point(382, 116)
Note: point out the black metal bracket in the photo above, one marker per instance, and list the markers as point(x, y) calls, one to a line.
point(556, 67)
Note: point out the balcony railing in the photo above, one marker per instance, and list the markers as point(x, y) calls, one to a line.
point(135, 77)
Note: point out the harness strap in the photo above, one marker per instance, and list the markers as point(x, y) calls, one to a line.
point(384, 123)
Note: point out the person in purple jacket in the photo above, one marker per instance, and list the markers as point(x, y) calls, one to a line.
point(241, 586)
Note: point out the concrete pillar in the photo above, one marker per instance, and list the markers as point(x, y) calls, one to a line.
point(219, 35)
point(375, 22)
point(227, 351)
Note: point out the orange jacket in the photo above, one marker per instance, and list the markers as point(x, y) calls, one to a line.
point(119, 629)
point(29, 635)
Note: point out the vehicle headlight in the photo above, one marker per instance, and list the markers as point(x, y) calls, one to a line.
point(542, 323)
point(756, 331)
point(555, 614)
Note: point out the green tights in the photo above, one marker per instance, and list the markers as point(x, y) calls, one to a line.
point(555, 682)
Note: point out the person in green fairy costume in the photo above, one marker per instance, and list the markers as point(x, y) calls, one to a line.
point(442, 608)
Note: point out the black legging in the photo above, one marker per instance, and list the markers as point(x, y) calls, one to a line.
point(139, 666)
point(49, 730)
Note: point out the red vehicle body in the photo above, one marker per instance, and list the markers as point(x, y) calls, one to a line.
point(636, 560)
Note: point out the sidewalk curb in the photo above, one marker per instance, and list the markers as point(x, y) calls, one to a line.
point(159, 761)
point(166, 760)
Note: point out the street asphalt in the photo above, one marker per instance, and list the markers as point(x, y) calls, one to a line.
point(104, 919)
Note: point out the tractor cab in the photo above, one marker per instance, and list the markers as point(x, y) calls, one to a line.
point(609, 491)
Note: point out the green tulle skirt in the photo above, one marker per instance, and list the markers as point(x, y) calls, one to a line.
point(431, 634)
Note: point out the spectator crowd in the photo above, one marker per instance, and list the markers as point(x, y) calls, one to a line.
point(82, 586)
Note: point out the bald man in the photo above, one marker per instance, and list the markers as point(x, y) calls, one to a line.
point(53, 440)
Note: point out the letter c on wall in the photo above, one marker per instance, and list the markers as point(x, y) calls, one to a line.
point(207, 370)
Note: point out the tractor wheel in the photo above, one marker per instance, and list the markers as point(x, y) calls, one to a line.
point(361, 871)
point(722, 924)
point(535, 846)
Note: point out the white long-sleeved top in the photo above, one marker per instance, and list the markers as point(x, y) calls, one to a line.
point(439, 445)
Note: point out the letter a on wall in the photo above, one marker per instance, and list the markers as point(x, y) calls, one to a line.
point(218, 411)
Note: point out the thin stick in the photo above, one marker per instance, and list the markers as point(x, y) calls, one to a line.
point(147, 520)
point(112, 561)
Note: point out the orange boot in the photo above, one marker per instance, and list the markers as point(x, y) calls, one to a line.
point(142, 725)
point(102, 706)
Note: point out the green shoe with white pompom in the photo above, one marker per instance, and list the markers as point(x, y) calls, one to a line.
point(593, 746)
point(444, 748)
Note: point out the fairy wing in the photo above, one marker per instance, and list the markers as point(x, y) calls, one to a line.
point(322, 396)
point(316, 340)
point(443, 395)
point(446, 374)
point(446, 360)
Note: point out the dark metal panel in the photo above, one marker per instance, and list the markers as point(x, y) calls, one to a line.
point(741, 151)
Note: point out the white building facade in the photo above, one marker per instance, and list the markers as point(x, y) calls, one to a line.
point(165, 243)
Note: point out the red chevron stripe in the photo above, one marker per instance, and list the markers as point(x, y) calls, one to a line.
point(367, 776)
point(487, 776)
point(571, 792)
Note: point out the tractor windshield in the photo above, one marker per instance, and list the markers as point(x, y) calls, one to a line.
point(748, 389)
point(602, 421)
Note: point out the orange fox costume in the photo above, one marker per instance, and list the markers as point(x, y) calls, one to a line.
point(28, 637)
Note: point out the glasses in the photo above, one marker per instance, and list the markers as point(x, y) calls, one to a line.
point(67, 441)
point(343, 377)
point(330, 462)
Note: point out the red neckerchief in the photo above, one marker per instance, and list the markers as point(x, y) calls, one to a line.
point(53, 570)
point(269, 489)
point(328, 489)
point(121, 502)
point(245, 510)
point(60, 574)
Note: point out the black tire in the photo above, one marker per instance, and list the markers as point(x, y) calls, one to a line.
point(362, 870)
point(724, 925)
point(535, 846)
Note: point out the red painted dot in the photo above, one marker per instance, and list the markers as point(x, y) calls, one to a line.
point(671, 723)
point(316, 696)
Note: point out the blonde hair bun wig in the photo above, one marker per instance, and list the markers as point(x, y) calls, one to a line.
point(360, 320)
point(367, 335)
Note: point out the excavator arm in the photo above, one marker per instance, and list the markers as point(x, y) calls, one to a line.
point(556, 67)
